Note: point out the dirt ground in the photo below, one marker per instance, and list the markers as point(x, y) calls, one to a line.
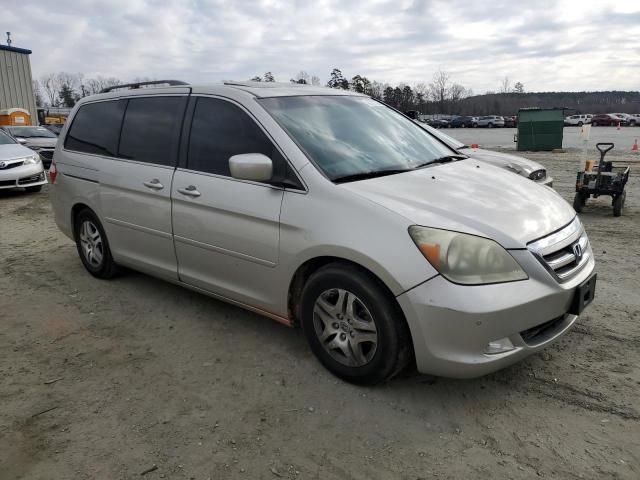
point(109, 379)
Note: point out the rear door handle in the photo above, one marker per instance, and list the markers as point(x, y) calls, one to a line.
point(153, 184)
point(190, 191)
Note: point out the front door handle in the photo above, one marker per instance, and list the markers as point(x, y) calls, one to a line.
point(154, 184)
point(190, 191)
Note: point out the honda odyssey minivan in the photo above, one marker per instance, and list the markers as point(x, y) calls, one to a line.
point(328, 210)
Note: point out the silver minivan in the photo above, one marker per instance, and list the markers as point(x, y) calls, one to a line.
point(328, 210)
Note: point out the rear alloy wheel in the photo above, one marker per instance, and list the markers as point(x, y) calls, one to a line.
point(353, 325)
point(93, 247)
point(580, 124)
point(490, 125)
point(595, 124)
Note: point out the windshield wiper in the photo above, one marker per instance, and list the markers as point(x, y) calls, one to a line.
point(444, 159)
point(371, 174)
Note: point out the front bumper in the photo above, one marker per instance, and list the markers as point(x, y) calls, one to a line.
point(453, 325)
point(23, 176)
point(546, 181)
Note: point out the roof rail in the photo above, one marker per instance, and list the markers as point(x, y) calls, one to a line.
point(132, 86)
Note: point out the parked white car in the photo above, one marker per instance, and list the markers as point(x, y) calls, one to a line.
point(577, 120)
point(20, 167)
point(326, 209)
point(513, 163)
point(490, 121)
point(634, 120)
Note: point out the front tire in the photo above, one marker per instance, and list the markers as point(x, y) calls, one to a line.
point(92, 245)
point(353, 325)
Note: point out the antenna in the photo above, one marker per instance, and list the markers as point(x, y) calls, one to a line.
point(9, 38)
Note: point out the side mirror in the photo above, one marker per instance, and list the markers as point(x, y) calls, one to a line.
point(21, 140)
point(251, 166)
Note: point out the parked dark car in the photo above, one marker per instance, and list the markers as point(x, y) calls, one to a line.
point(463, 122)
point(510, 121)
point(437, 122)
point(607, 120)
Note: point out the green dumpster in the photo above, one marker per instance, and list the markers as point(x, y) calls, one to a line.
point(540, 128)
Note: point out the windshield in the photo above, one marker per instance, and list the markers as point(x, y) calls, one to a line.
point(6, 139)
point(349, 136)
point(450, 141)
point(30, 132)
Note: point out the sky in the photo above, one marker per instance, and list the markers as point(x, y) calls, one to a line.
point(547, 45)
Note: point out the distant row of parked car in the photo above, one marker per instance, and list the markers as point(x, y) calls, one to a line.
point(604, 119)
point(461, 121)
point(496, 121)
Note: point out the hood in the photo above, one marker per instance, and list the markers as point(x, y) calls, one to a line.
point(472, 197)
point(41, 142)
point(13, 151)
point(521, 165)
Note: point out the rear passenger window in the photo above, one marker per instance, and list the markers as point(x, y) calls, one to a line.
point(151, 129)
point(220, 130)
point(95, 128)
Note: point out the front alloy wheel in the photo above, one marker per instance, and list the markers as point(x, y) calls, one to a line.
point(345, 327)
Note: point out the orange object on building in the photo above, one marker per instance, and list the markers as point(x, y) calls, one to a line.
point(15, 117)
point(634, 148)
point(589, 165)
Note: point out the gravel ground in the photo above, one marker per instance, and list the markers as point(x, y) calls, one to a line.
point(113, 379)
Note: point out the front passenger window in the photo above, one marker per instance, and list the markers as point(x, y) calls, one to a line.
point(220, 130)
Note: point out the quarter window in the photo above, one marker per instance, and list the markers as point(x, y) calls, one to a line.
point(220, 130)
point(95, 128)
point(151, 129)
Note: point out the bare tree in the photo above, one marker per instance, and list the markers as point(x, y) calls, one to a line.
point(505, 86)
point(96, 85)
point(37, 93)
point(439, 88)
point(301, 77)
point(51, 88)
point(315, 80)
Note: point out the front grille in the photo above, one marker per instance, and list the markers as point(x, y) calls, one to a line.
point(538, 175)
point(7, 183)
point(48, 154)
point(565, 252)
point(31, 179)
point(7, 166)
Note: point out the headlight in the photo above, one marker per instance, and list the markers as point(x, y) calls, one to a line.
point(538, 174)
point(32, 159)
point(466, 259)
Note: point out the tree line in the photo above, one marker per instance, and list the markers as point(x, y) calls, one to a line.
point(441, 96)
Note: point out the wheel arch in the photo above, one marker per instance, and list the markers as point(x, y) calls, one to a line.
point(312, 265)
point(75, 210)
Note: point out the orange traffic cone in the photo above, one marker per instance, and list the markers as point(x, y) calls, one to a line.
point(634, 148)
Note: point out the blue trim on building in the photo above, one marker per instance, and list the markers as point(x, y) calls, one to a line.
point(15, 49)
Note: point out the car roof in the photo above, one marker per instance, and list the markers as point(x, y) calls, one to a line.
point(229, 88)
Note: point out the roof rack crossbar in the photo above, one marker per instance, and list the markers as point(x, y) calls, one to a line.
point(132, 86)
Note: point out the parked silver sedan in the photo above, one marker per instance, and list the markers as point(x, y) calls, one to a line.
point(19, 166)
point(513, 163)
point(38, 139)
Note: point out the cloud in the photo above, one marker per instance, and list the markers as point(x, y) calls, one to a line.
point(545, 44)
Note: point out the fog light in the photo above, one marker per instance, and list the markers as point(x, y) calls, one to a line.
point(499, 346)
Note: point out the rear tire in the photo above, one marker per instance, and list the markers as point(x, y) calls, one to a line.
point(490, 125)
point(93, 246)
point(353, 325)
point(34, 189)
point(595, 124)
point(580, 124)
point(618, 204)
